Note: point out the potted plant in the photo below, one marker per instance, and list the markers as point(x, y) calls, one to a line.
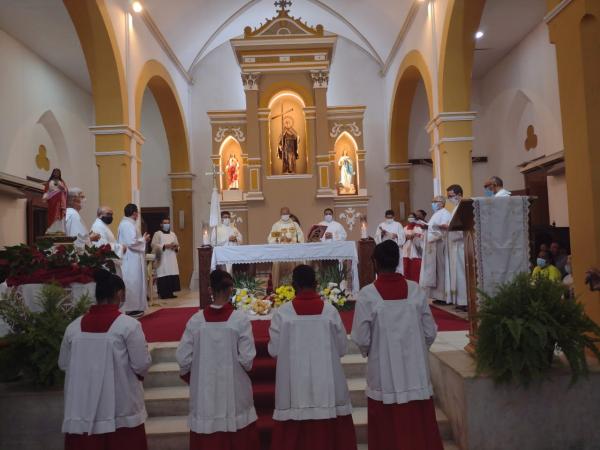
point(522, 325)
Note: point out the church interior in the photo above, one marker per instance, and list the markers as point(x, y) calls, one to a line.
point(325, 111)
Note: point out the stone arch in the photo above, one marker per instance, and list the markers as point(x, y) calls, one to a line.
point(54, 130)
point(413, 70)
point(155, 77)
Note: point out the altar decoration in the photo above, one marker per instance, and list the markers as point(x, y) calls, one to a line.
point(283, 294)
point(45, 263)
point(247, 301)
point(337, 295)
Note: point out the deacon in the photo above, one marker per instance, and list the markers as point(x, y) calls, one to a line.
point(285, 230)
point(74, 225)
point(456, 256)
point(101, 227)
point(312, 402)
point(435, 268)
point(133, 263)
point(335, 230)
point(494, 187)
point(215, 353)
point(166, 246)
point(226, 233)
point(412, 250)
point(105, 356)
point(394, 328)
point(390, 229)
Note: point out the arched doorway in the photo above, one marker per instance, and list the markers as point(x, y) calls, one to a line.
point(413, 71)
point(155, 78)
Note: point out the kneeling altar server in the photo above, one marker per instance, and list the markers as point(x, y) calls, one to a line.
point(215, 354)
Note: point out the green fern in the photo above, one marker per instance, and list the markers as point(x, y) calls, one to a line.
point(521, 325)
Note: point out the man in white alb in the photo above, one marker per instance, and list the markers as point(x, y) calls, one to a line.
point(101, 227)
point(166, 246)
point(391, 230)
point(335, 230)
point(284, 231)
point(225, 233)
point(456, 256)
point(494, 187)
point(435, 273)
point(133, 264)
point(74, 225)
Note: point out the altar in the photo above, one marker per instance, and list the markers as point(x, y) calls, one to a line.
point(269, 253)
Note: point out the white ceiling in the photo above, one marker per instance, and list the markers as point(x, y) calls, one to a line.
point(193, 28)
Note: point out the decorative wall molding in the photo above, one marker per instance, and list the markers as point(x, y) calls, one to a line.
point(351, 216)
point(250, 80)
point(457, 116)
point(404, 29)
point(397, 166)
point(339, 128)
point(556, 10)
point(224, 132)
point(118, 129)
point(320, 78)
point(181, 175)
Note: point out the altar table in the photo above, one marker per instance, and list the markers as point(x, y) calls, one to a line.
point(317, 251)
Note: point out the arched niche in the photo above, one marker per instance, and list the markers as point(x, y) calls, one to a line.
point(346, 166)
point(231, 158)
point(286, 113)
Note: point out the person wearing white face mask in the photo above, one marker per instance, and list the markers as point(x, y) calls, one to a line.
point(226, 233)
point(390, 229)
point(165, 246)
point(335, 230)
point(456, 256)
point(435, 273)
point(412, 250)
point(285, 230)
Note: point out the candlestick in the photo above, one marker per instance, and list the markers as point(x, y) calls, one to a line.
point(205, 240)
point(363, 231)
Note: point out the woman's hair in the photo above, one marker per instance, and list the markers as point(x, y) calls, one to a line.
point(304, 277)
point(387, 255)
point(220, 281)
point(52, 174)
point(107, 285)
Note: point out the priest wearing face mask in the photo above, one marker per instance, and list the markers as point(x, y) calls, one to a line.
point(390, 229)
point(166, 246)
point(101, 228)
point(225, 233)
point(335, 230)
point(435, 266)
point(285, 230)
point(456, 256)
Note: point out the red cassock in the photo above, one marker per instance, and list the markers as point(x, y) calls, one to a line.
point(98, 320)
point(412, 268)
point(246, 438)
point(315, 434)
point(400, 425)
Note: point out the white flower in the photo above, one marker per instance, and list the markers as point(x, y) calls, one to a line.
point(331, 285)
point(343, 285)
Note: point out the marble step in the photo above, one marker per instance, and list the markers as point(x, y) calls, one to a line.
point(165, 351)
point(166, 374)
point(174, 400)
point(172, 432)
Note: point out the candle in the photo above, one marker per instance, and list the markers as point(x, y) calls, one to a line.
point(363, 230)
point(205, 240)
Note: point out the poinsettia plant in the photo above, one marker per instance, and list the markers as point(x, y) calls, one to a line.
point(48, 263)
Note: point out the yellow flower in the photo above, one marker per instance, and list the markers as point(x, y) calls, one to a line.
point(326, 291)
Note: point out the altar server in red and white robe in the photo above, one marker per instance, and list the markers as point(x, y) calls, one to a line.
point(394, 327)
point(105, 356)
point(412, 250)
point(216, 352)
point(312, 403)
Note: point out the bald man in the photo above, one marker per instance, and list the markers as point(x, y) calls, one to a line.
point(74, 224)
point(101, 227)
point(284, 231)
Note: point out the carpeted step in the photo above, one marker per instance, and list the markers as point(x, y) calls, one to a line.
point(263, 369)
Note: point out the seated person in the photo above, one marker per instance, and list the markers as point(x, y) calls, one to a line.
point(544, 268)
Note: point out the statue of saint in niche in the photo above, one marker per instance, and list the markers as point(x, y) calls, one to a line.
point(287, 149)
point(233, 173)
point(55, 194)
point(347, 174)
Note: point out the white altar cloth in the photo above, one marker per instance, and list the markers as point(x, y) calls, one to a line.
point(319, 251)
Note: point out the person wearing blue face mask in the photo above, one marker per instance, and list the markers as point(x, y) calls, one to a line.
point(494, 187)
point(165, 246)
point(434, 274)
point(544, 268)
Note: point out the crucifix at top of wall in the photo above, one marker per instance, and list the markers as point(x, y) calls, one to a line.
point(283, 5)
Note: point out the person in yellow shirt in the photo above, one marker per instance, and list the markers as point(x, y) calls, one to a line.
point(544, 268)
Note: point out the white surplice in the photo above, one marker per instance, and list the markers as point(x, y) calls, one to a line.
point(413, 248)
point(133, 266)
point(435, 268)
point(389, 228)
point(75, 227)
point(503, 193)
point(167, 258)
point(102, 391)
point(288, 229)
point(106, 237)
point(456, 259)
point(310, 381)
point(218, 355)
point(395, 335)
point(336, 229)
point(221, 234)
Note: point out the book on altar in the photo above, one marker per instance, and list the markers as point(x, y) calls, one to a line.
point(316, 233)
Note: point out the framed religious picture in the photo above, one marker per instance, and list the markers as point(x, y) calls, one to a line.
point(316, 233)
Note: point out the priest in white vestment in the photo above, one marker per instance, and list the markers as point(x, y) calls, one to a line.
point(393, 327)
point(225, 233)
point(101, 228)
point(215, 353)
point(494, 187)
point(456, 256)
point(74, 225)
point(390, 229)
point(335, 231)
point(284, 231)
point(105, 356)
point(133, 264)
point(435, 270)
point(166, 246)
point(308, 339)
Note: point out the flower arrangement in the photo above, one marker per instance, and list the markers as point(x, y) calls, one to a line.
point(246, 300)
point(46, 263)
point(337, 294)
point(283, 294)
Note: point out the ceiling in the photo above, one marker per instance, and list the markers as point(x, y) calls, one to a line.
point(192, 28)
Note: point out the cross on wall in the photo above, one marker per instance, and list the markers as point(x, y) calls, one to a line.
point(283, 5)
